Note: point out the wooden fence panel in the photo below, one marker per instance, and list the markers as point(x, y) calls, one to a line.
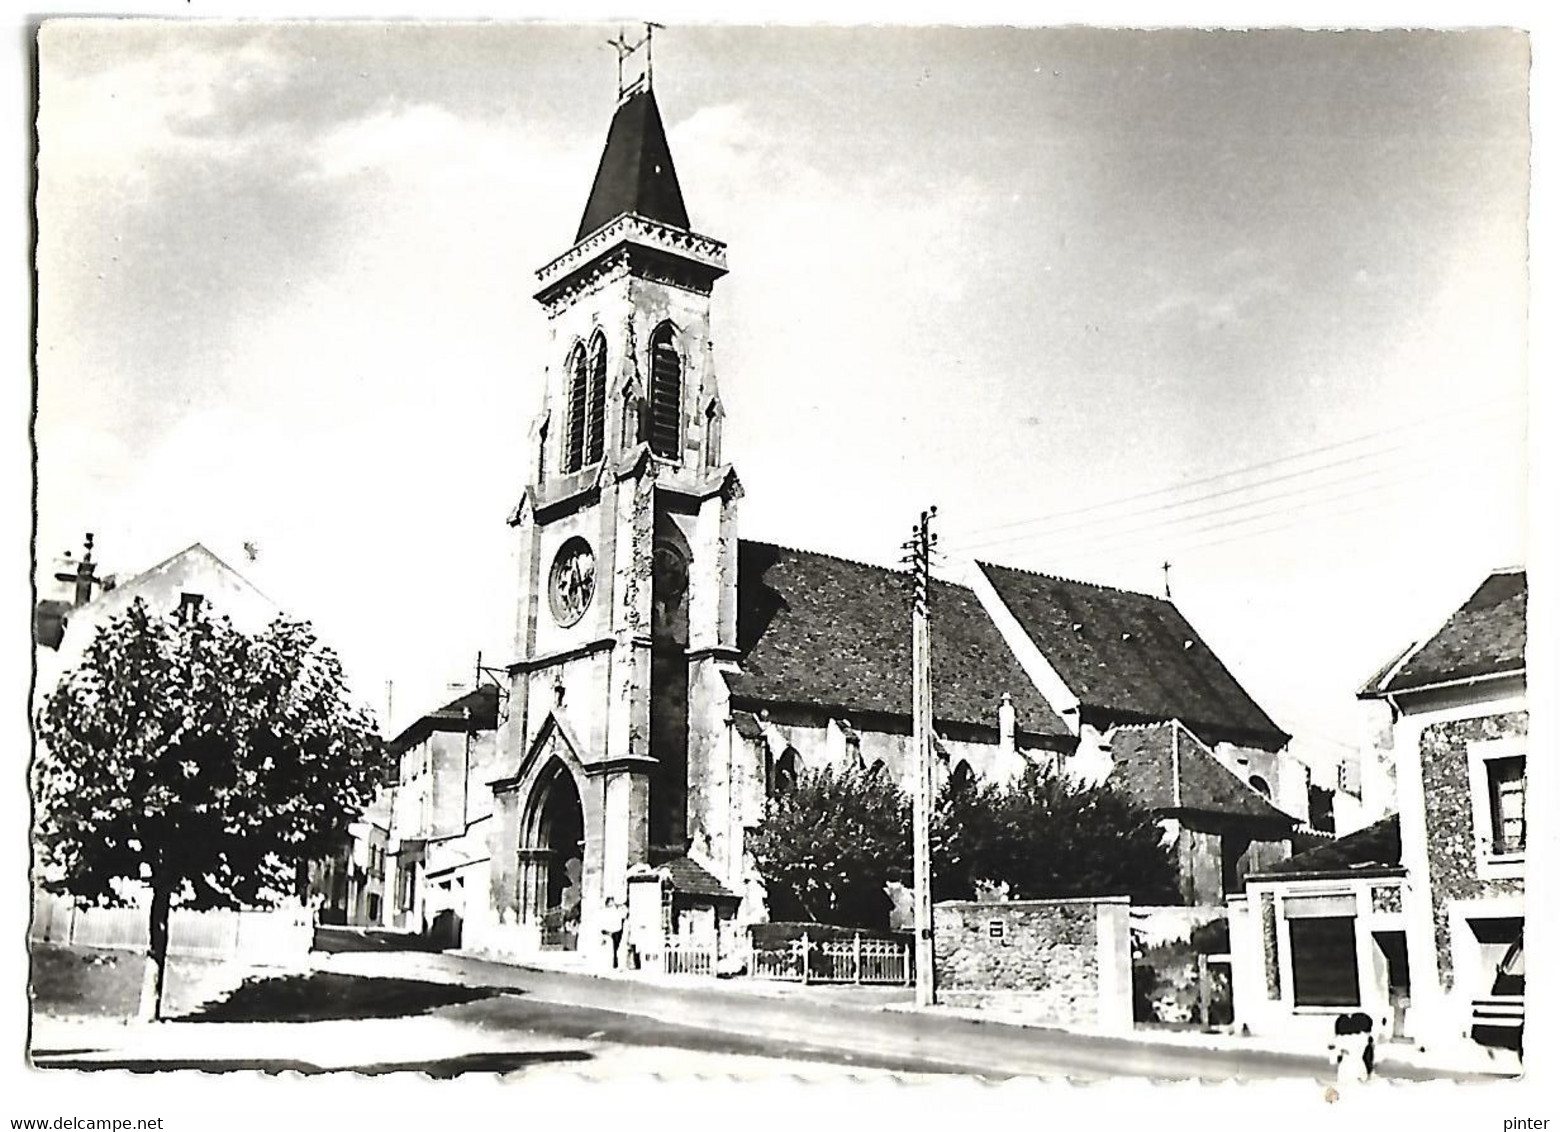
point(257, 936)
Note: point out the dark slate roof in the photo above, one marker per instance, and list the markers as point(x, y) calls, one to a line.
point(1379, 677)
point(818, 630)
point(1131, 656)
point(481, 702)
point(1376, 846)
point(1164, 767)
point(747, 725)
point(1486, 637)
point(688, 876)
point(636, 172)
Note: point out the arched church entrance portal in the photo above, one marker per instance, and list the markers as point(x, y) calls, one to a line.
point(558, 860)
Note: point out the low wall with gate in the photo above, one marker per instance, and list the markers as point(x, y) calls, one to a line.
point(268, 936)
point(1068, 962)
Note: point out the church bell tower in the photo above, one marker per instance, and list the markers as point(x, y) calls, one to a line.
point(625, 542)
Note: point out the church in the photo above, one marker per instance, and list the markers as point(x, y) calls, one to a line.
point(669, 676)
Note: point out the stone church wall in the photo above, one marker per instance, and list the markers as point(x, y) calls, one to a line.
point(819, 742)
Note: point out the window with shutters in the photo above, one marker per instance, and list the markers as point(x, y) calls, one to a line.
point(665, 394)
point(1497, 771)
point(574, 452)
point(596, 401)
point(1508, 803)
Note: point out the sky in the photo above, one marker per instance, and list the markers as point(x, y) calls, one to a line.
point(1250, 303)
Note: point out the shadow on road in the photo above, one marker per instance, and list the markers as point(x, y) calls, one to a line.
point(443, 1068)
point(322, 996)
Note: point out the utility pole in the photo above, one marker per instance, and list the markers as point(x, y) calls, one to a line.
point(920, 549)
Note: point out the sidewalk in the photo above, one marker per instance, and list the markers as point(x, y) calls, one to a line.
point(1388, 1055)
point(864, 995)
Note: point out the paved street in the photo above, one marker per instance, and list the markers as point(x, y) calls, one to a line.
point(822, 1026)
point(378, 1011)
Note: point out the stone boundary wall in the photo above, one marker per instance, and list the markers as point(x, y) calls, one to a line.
point(1068, 962)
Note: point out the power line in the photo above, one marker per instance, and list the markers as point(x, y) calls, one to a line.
point(1026, 536)
point(1293, 512)
point(1459, 416)
point(1296, 517)
point(1372, 480)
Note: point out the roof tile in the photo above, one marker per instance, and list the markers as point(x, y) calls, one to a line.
point(1485, 637)
point(1375, 846)
point(1145, 762)
point(1131, 656)
point(689, 876)
point(815, 629)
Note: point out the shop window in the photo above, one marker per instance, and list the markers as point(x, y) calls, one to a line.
point(1324, 965)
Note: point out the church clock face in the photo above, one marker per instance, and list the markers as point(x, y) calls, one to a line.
point(572, 582)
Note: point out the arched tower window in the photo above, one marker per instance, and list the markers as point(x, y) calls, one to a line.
point(665, 394)
point(1259, 784)
point(785, 772)
point(630, 417)
point(711, 436)
point(963, 777)
point(574, 450)
point(596, 401)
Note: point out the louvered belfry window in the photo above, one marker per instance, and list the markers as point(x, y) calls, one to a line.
point(665, 395)
point(596, 402)
point(574, 454)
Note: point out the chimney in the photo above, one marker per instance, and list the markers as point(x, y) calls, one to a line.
point(85, 569)
point(1007, 724)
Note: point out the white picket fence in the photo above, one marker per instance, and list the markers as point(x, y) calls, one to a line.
point(677, 956)
point(281, 933)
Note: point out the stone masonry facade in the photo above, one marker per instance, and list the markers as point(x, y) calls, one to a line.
point(1449, 825)
point(1064, 961)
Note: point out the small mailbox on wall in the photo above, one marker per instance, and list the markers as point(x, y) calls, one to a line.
point(997, 931)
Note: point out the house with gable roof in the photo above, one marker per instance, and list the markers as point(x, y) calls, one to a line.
point(193, 575)
point(433, 869)
point(1417, 919)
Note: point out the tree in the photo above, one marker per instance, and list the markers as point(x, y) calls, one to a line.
point(969, 839)
point(1046, 836)
point(204, 762)
point(828, 847)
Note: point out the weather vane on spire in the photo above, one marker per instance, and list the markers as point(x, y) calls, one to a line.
point(625, 51)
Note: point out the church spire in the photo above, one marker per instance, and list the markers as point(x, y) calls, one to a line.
point(636, 172)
